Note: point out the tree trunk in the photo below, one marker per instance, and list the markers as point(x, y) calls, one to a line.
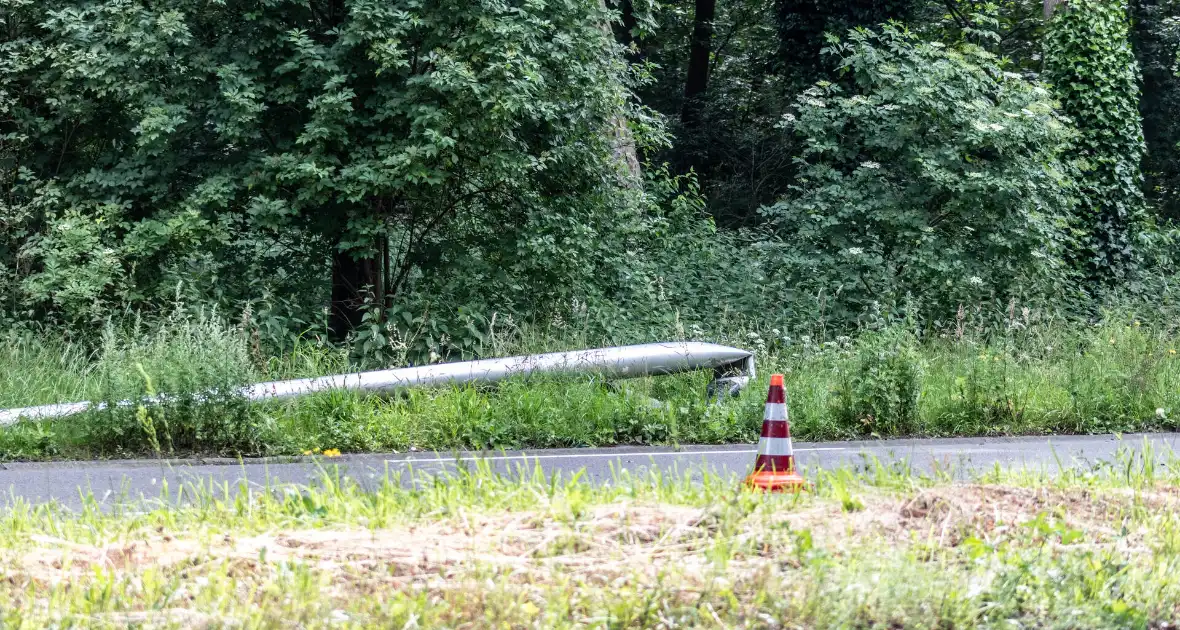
point(352, 281)
point(622, 141)
point(1050, 6)
point(697, 81)
point(625, 152)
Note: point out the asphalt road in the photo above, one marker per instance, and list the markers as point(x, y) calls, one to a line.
point(130, 481)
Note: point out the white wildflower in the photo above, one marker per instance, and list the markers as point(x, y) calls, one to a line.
point(975, 280)
point(870, 165)
point(786, 121)
point(855, 251)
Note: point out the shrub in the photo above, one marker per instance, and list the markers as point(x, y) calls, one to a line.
point(880, 386)
point(926, 170)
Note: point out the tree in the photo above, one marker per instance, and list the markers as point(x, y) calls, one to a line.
point(744, 63)
point(1090, 63)
point(1012, 29)
point(379, 136)
point(697, 79)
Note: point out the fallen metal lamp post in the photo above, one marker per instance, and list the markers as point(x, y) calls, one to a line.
point(732, 370)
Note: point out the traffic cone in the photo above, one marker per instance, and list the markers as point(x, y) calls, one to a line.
point(774, 470)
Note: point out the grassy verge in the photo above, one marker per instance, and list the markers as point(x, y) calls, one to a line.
point(1028, 379)
point(1094, 548)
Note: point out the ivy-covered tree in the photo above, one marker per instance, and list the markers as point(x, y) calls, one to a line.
point(1090, 63)
point(927, 170)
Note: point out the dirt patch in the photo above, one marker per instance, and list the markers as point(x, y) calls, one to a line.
point(946, 515)
point(614, 534)
point(983, 511)
point(52, 558)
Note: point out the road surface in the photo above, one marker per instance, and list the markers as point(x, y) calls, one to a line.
point(115, 482)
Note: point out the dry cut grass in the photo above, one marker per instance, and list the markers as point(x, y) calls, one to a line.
point(872, 550)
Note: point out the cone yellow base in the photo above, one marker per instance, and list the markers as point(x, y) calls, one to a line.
point(775, 481)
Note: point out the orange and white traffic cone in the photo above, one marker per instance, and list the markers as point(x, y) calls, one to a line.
point(774, 470)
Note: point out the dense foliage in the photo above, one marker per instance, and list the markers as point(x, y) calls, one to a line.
point(419, 177)
point(216, 145)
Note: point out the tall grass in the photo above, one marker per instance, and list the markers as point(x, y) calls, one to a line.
point(1106, 378)
point(180, 353)
point(36, 370)
point(1026, 377)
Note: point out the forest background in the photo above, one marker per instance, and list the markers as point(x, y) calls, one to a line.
point(296, 186)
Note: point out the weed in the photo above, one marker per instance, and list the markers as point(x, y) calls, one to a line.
point(880, 384)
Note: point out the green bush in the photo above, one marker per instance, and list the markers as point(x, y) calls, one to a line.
point(880, 384)
point(469, 143)
point(927, 170)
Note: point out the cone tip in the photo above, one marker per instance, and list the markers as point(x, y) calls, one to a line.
point(776, 380)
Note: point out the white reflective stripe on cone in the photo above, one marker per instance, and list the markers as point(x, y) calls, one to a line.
point(775, 411)
point(775, 446)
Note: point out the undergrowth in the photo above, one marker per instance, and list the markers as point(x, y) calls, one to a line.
point(1026, 377)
